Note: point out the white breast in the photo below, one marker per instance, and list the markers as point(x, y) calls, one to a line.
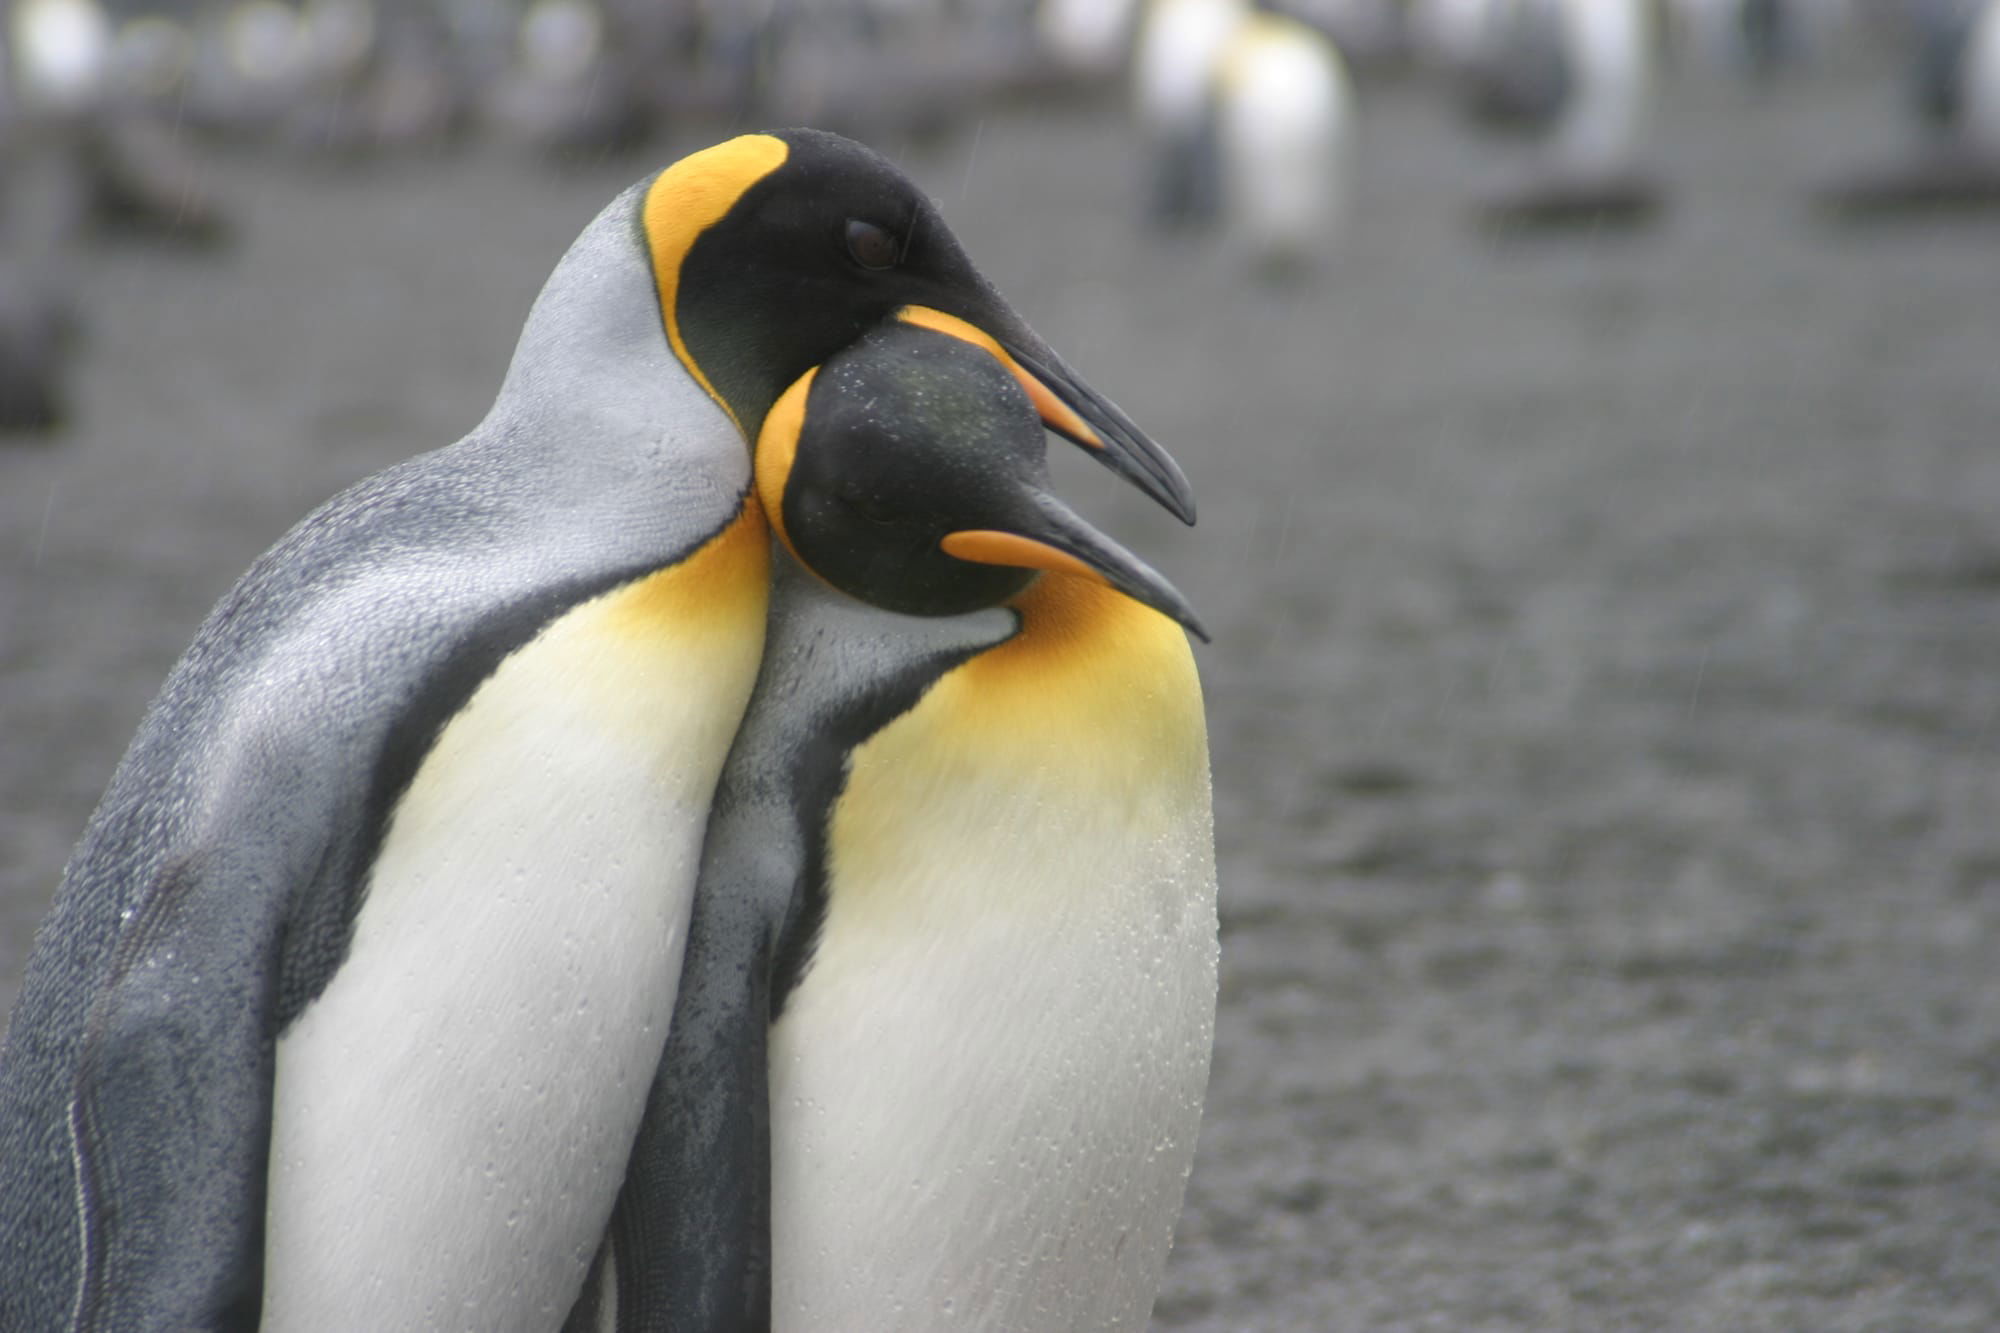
point(453, 1113)
point(985, 1093)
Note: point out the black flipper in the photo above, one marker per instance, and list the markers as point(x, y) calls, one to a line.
point(171, 1113)
point(697, 1196)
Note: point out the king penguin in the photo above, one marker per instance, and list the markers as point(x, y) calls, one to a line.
point(1958, 74)
point(350, 1001)
point(1578, 76)
point(1954, 165)
point(942, 1039)
point(1283, 107)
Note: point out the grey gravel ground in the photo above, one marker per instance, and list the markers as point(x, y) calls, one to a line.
point(1604, 696)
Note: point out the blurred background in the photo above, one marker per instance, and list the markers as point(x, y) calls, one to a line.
point(1594, 407)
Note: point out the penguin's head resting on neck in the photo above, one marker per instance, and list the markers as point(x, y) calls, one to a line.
point(772, 252)
point(910, 471)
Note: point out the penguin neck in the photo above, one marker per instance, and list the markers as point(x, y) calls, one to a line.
point(594, 370)
point(1093, 676)
point(1085, 724)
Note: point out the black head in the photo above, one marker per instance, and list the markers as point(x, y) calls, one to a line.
point(774, 251)
point(911, 471)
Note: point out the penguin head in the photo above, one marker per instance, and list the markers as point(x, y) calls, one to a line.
point(772, 252)
point(910, 471)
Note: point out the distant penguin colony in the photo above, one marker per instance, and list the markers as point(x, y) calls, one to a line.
point(541, 899)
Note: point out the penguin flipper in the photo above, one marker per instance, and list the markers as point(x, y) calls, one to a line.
point(171, 1108)
point(690, 1238)
point(696, 1202)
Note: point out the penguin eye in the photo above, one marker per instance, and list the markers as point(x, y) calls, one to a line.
point(871, 246)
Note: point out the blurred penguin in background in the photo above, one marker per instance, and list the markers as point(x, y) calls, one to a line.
point(1508, 61)
point(38, 326)
point(1246, 113)
point(1955, 93)
point(1283, 107)
point(1758, 39)
point(1755, 37)
point(1599, 130)
point(1368, 33)
point(1957, 83)
point(113, 168)
point(38, 193)
point(1575, 76)
point(249, 69)
point(1173, 78)
point(1086, 38)
point(378, 78)
point(38, 321)
point(59, 50)
point(569, 90)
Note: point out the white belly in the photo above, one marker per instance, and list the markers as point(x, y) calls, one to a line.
point(986, 1092)
point(453, 1114)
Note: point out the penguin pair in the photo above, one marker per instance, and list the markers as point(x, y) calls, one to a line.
point(942, 1032)
point(412, 972)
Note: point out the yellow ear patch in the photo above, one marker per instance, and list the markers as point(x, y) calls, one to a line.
point(1053, 411)
point(777, 446)
point(686, 200)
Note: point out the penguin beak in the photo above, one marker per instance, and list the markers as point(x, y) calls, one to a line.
point(1071, 408)
point(1047, 534)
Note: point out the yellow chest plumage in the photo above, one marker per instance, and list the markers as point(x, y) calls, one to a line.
point(1089, 718)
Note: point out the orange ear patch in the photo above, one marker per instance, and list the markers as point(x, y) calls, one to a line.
point(777, 447)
